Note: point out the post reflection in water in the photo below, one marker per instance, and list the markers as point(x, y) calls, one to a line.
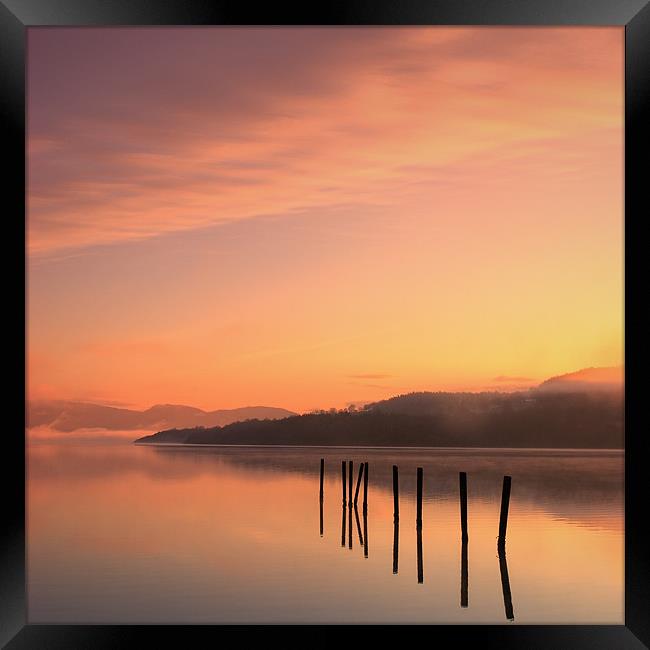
point(505, 583)
point(418, 524)
point(350, 526)
point(395, 543)
point(419, 545)
point(103, 506)
point(356, 516)
point(365, 528)
point(346, 528)
point(463, 575)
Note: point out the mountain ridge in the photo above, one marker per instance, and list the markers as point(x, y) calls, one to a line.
point(68, 416)
point(524, 419)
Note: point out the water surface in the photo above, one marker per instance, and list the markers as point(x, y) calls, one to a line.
point(142, 534)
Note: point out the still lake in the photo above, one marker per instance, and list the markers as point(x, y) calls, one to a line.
point(119, 533)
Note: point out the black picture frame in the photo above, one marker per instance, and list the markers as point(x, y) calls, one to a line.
point(18, 15)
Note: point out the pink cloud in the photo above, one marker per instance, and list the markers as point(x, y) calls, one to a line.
point(136, 132)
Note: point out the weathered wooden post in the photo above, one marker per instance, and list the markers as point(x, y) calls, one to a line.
point(350, 486)
point(418, 517)
point(356, 492)
point(395, 493)
point(343, 479)
point(503, 518)
point(365, 488)
point(322, 476)
point(463, 506)
point(395, 518)
point(418, 525)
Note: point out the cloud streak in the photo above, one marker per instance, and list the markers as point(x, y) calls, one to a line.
point(510, 379)
point(227, 216)
point(137, 132)
point(369, 376)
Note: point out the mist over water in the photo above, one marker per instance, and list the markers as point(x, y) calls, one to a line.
point(134, 534)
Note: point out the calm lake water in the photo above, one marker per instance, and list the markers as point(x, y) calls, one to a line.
point(139, 534)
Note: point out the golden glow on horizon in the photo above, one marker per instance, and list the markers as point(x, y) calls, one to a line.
point(393, 210)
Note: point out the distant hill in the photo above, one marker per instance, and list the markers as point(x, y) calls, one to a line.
point(523, 419)
point(586, 380)
point(69, 416)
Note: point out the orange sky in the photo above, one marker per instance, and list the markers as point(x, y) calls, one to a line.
point(310, 217)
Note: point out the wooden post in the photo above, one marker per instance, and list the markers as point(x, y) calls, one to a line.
point(395, 493)
point(418, 525)
point(463, 574)
point(343, 479)
point(505, 502)
point(350, 486)
point(322, 476)
point(463, 506)
point(418, 517)
point(343, 526)
point(505, 584)
point(365, 488)
point(356, 492)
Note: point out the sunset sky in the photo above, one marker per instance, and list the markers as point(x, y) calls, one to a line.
point(311, 217)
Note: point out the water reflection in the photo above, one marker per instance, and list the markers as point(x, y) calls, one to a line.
point(365, 522)
point(146, 535)
point(350, 525)
point(395, 544)
point(505, 584)
point(464, 563)
point(321, 516)
point(464, 580)
point(356, 515)
point(564, 483)
point(418, 527)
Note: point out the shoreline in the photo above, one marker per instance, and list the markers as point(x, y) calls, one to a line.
point(386, 447)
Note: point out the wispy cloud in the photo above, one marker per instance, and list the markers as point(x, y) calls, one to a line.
point(247, 214)
point(512, 379)
point(369, 376)
point(145, 132)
